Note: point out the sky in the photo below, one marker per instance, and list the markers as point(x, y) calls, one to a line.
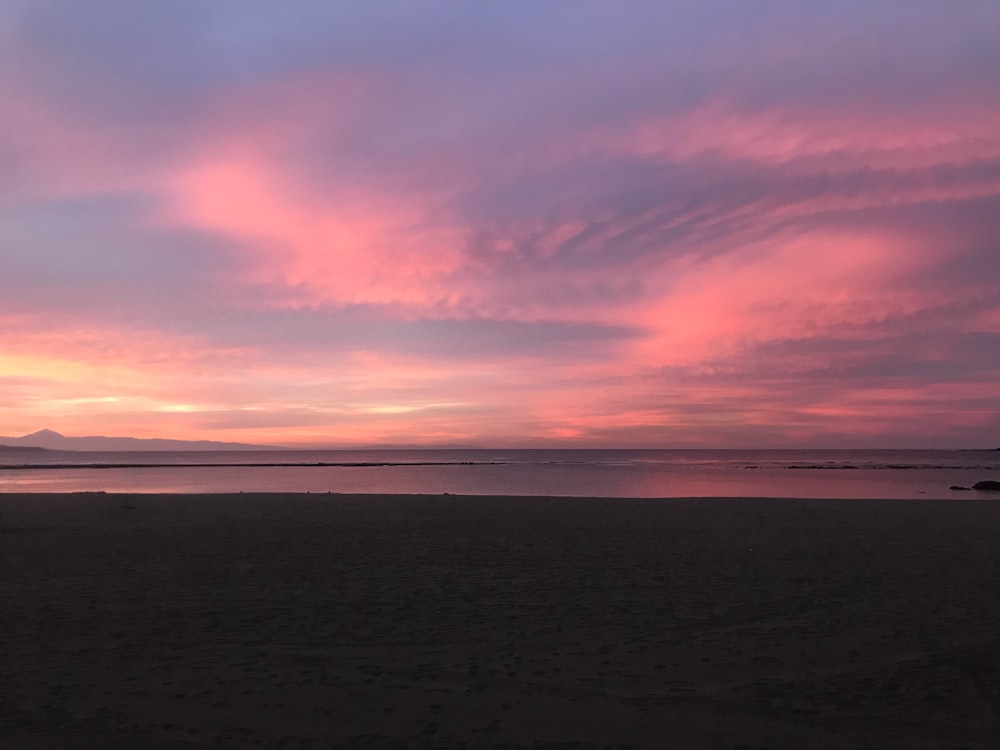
point(704, 224)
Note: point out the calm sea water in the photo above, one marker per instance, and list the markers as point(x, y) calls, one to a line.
point(610, 473)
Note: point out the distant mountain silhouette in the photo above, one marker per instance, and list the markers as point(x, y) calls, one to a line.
point(52, 440)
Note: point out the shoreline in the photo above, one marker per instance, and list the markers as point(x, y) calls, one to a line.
point(368, 620)
point(951, 497)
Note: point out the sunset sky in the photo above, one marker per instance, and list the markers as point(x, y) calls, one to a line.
point(637, 224)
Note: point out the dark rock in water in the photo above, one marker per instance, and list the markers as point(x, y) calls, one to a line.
point(956, 487)
point(988, 485)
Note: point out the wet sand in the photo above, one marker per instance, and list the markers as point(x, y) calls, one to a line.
point(318, 621)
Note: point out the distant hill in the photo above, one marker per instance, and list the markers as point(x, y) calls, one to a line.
point(51, 440)
point(20, 448)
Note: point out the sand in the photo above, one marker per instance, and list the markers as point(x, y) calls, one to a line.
point(318, 621)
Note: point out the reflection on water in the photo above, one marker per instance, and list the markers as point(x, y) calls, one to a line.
point(835, 474)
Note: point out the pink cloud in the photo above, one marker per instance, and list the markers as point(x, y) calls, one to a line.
point(819, 138)
point(340, 246)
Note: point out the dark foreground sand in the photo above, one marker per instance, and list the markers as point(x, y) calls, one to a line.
point(316, 621)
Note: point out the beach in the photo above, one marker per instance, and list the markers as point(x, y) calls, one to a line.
point(417, 621)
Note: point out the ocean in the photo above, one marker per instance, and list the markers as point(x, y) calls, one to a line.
point(848, 474)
